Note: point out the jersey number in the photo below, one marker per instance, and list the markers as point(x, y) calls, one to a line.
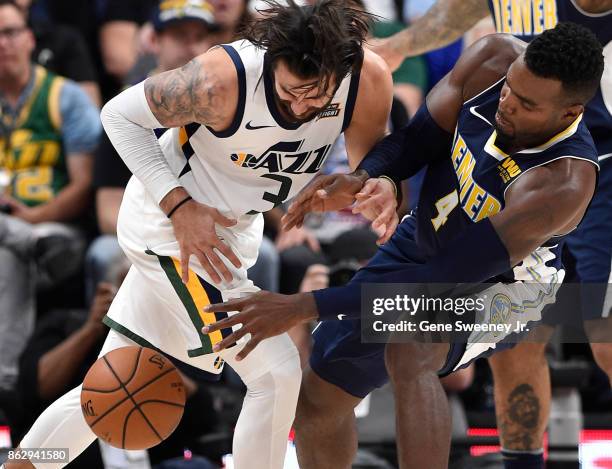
point(34, 184)
point(283, 192)
point(445, 206)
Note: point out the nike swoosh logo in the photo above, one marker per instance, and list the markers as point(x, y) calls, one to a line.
point(257, 127)
point(341, 316)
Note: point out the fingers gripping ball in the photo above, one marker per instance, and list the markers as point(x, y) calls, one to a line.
point(133, 398)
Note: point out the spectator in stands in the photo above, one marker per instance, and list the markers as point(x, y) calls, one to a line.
point(48, 130)
point(181, 33)
point(230, 16)
point(110, 29)
point(62, 50)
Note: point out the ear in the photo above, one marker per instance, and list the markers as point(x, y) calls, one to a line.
point(573, 111)
point(31, 41)
point(154, 43)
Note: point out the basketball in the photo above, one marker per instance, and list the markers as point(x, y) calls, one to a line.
point(133, 398)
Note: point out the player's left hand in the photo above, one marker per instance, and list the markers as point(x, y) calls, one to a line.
point(377, 202)
point(324, 194)
point(262, 315)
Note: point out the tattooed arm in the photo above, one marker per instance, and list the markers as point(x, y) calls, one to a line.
point(444, 22)
point(204, 91)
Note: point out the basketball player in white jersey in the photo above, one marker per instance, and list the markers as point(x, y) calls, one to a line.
point(251, 123)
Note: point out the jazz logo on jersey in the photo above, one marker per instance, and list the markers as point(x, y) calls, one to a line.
point(477, 203)
point(525, 17)
point(286, 157)
point(333, 110)
point(508, 169)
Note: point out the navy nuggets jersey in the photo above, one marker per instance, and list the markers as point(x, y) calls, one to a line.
point(470, 185)
point(526, 19)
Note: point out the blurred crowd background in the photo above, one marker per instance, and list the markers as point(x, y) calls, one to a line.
point(61, 184)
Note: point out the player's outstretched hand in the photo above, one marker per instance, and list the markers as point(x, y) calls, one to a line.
point(384, 48)
point(324, 194)
point(377, 202)
point(262, 315)
point(194, 228)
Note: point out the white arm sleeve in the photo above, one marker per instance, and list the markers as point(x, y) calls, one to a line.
point(129, 123)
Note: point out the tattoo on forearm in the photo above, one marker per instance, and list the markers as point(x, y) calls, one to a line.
point(188, 94)
point(445, 22)
point(520, 423)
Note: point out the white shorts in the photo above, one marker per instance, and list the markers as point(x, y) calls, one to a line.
point(154, 308)
point(513, 308)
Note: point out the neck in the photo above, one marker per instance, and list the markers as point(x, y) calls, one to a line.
point(513, 147)
point(12, 86)
point(595, 6)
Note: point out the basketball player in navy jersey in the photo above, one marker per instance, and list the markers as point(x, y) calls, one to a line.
point(521, 375)
point(511, 169)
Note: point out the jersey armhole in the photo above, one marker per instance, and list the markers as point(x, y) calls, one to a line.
point(351, 99)
point(235, 125)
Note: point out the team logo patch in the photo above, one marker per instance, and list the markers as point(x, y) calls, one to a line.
point(285, 157)
point(501, 305)
point(508, 169)
point(330, 111)
point(218, 363)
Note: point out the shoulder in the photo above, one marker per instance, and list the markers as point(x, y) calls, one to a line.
point(373, 69)
point(479, 67)
point(375, 82)
point(484, 63)
point(375, 93)
point(563, 187)
point(71, 95)
point(214, 72)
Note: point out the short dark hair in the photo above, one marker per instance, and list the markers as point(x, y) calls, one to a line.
point(320, 41)
point(571, 54)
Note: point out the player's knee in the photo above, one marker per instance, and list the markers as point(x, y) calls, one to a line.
point(316, 409)
point(311, 411)
point(406, 362)
point(602, 352)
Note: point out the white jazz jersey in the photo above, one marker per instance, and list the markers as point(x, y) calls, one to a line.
point(257, 163)
point(261, 160)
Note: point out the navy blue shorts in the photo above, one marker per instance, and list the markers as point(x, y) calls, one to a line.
point(338, 355)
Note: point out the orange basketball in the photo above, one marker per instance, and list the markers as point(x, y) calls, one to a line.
point(133, 398)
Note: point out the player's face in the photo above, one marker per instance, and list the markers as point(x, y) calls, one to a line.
point(178, 43)
point(16, 42)
point(228, 12)
point(299, 99)
point(531, 109)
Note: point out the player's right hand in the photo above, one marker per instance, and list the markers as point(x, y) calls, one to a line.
point(324, 194)
point(194, 227)
point(377, 202)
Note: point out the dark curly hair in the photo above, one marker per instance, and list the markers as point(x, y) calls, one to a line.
point(319, 41)
point(571, 54)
